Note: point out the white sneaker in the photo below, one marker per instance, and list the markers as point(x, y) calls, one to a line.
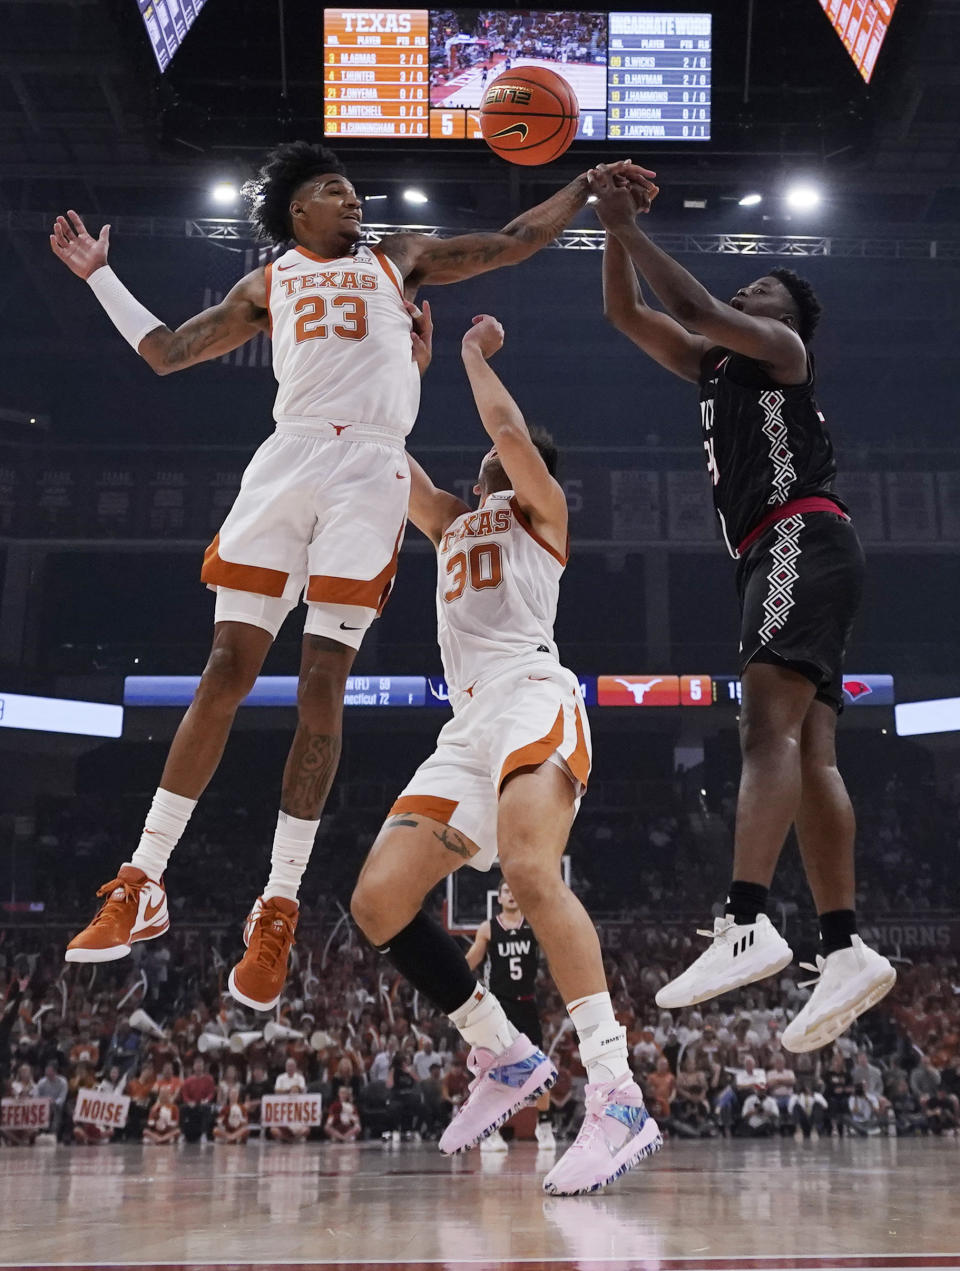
point(738, 955)
point(849, 982)
point(546, 1142)
point(493, 1143)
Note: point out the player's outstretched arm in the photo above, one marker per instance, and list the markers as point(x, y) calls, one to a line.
point(659, 335)
point(478, 950)
point(687, 300)
point(540, 497)
point(431, 509)
point(240, 316)
point(425, 260)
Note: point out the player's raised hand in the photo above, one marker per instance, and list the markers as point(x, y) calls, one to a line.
point(486, 336)
point(421, 334)
point(618, 201)
point(79, 251)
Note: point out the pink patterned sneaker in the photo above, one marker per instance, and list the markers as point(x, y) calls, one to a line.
point(502, 1084)
point(617, 1133)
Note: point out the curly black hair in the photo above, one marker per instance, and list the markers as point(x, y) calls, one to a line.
point(283, 172)
point(546, 445)
point(808, 306)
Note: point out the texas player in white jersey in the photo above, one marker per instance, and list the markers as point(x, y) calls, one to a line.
point(508, 773)
point(321, 509)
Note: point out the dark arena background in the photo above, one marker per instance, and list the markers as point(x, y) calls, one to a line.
point(817, 134)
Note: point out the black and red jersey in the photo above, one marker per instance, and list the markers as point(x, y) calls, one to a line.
point(767, 444)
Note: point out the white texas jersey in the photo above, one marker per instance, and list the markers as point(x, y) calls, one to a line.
point(341, 342)
point(498, 584)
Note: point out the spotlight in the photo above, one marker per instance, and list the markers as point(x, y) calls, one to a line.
point(373, 198)
point(802, 198)
point(699, 204)
point(415, 196)
point(224, 193)
point(751, 200)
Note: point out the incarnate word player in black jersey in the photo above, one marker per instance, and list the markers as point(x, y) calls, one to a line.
point(767, 444)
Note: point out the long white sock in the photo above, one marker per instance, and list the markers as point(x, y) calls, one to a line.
point(603, 1042)
point(292, 845)
point(162, 830)
point(481, 1022)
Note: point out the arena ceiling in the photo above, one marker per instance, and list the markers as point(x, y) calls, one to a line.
point(87, 121)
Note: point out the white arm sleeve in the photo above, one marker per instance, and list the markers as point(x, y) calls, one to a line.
point(124, 310)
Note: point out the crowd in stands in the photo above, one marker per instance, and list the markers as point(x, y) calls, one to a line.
point(488, 37)
point(390, 1068)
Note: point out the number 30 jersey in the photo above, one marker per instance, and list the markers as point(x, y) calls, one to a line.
point(341, 343)
point(498, 583)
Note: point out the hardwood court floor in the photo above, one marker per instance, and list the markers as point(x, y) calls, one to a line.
point(696, 1207)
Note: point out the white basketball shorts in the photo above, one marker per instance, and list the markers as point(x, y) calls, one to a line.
point(318, 517)
point(524, 718)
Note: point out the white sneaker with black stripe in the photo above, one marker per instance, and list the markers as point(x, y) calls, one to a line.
point(739, 954)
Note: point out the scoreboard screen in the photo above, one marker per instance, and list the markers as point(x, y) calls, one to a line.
point(862, 25)
point(422, 73)
point(167, 23)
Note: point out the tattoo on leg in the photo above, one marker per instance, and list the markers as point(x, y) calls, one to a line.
point(454, 842)
point(402, 821)
point(308, 776)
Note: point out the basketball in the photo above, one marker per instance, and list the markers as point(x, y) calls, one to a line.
point(529, 115)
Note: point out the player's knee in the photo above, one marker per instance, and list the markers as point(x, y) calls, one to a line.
point(531, 879)
point(764, 736)
point(370, 907)
point(228, 676)
point(320, 689)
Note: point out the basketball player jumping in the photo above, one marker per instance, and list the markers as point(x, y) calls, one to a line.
point(799, 580)
point(320, 512)
point(506, 946)
point(509, 769)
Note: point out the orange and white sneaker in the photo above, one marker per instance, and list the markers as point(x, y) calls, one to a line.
point(258, 978)
point(135, 909)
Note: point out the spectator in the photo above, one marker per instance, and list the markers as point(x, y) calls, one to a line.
point(863, 1112)
point(924, 1081)
point(197, 1095)
point(662, 1087)
point(258, 1085)
point(864, 1073)
point(759, 1116)
point(424, 1059)
point(405, 1103)
point(780, 1085)
point(168, 1080)
point(163, 1123)
point(431, 1093)
point(291, 1082)
point(233, 1124)
point(343, 1122)
point(808, 1112)
point(53, 1086)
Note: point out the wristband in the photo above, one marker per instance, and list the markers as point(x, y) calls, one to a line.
point(124, 310)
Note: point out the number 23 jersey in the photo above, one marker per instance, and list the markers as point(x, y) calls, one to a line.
point(498, 584)
point(341, 342)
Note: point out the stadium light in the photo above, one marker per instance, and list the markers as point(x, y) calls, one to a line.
point(751, 200)
point(803, 198)
point(373, 198)
point(224, 193)
point(415, 196)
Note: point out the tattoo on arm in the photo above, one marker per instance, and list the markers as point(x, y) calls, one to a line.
point(455, 843)
point(308, 776)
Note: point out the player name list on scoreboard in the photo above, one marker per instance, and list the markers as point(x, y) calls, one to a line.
point(658, 76)
point(376, 72)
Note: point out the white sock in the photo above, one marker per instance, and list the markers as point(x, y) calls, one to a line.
point(481, 1022)
point(162, 830)
point(292, 845)
point(603, 1043)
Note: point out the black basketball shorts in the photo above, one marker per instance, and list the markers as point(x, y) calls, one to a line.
point(800, 586)
point(524, 1017)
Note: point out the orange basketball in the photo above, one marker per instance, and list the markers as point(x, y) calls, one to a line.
point(529, 115)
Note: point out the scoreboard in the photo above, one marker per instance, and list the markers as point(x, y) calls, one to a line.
point(419, 73)
point(167, 23)
point(862, 25)
point(376, 72)
point(658, 77)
